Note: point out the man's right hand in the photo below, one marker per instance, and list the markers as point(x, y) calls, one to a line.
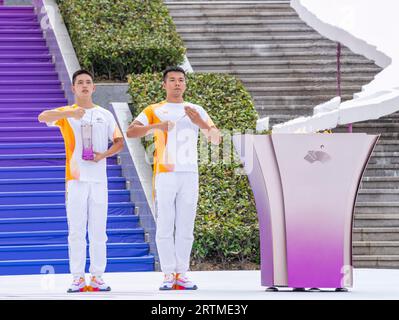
point(138, 130)
point(166, 125)
point(77, 113)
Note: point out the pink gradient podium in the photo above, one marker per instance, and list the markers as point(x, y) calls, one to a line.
point(305, 188)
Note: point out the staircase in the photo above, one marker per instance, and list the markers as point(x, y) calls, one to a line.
point(33, 225)
point(286, 66)
point(376, 232)
point(289, 68)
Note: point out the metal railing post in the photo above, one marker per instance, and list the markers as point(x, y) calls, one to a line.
point(339, 90)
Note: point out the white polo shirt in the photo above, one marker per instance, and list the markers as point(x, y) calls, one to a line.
point(105, 129)
point(176, 150)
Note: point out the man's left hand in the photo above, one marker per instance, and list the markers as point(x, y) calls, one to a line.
point(98, 156)
point(194, 116)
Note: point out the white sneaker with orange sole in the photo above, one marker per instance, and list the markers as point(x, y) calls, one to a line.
point(184, 283)
point(78, 285)
point(98, 284)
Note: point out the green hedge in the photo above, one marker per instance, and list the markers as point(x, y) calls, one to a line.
point(114, 38)
point(226, 228)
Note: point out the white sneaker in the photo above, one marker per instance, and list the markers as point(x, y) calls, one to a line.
point(98, 284)
point(78, 285)
point(184, 283)
point(168, 282)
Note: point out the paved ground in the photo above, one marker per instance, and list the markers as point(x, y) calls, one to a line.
point(220, 285)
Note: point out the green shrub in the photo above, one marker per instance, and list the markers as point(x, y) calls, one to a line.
point(226, 228)
point(114, 38)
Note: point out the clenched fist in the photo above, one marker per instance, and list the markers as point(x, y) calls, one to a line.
point(166, 125)
point(77, 113)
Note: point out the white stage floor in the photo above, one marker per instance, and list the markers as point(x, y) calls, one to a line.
point(220, 285)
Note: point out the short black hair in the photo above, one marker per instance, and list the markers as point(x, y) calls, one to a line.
point(80, 72)
point(172, 69)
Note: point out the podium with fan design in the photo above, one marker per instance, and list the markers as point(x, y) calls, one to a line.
point(305, 188)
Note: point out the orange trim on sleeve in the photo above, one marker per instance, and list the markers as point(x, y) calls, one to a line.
point(160, 141)
point(117, 133)
point(71, 169)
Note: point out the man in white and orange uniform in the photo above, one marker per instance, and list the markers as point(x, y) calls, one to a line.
point(86, 180)
point(175, 124)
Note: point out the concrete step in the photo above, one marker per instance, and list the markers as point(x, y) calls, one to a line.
point(298, 90)
point(370, 128)
point(379, 157)
point(291, 73)
point(235, 15)
point(376, 261)
point(281, 117)
point(251, 40)
point(260, 49)
point(389, 122)
point(380, 183)
point(346, 80)
point(389, 135)
point(222, 31)
point(235, 10)
point(376, 234)
point(287, 100)
point(347, 62)
point(377, 220)
point(275, 119)
point(297, 110)
point(376, 127)
point(387, 146)
point(228, 6)
point(382, 248)
point(391, 170)
point(377, 207)
point(303, 71)
point(378, 195)
point(393, 119)
point(210, 57)
point(383, 135)
point(182, 23)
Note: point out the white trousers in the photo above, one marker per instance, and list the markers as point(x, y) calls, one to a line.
point(87, 206)
point(176, 197)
